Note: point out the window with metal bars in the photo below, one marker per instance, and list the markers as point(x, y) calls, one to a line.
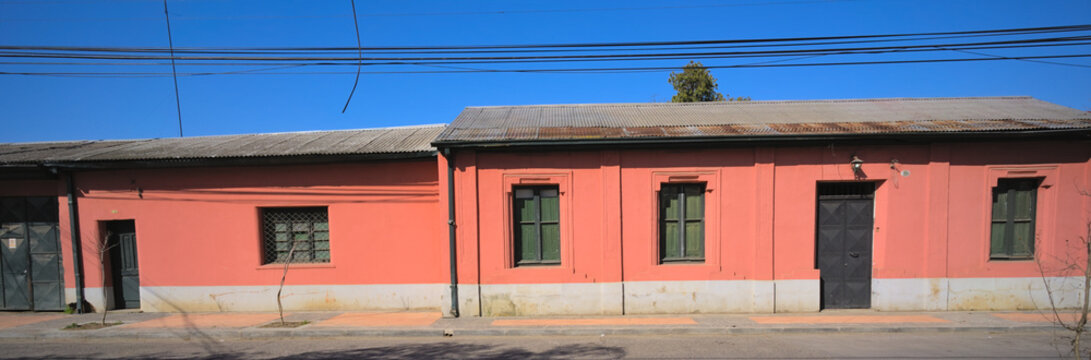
point(537, 221)
point(1014, 204)
point(681, 223)
point(307, 228)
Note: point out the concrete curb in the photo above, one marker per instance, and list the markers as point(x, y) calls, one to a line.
point(304, 332)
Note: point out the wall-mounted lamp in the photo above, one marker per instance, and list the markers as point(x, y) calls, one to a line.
point(856, 164)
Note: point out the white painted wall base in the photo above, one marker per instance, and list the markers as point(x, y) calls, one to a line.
point(684, 297)
point(1013, 293)
point(295, 298)
point(93, 296)
point(639, 297)
point(551, 299)
point(797, 295)
point(909, 294)
point(469, 301)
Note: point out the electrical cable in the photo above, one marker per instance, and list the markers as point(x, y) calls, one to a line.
point(360, 54)
point(562, 70)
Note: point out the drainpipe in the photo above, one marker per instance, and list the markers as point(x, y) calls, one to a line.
point(451, 229)
point(74, 225)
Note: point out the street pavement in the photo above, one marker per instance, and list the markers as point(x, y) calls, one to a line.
point(136, 325)
point(926, 345)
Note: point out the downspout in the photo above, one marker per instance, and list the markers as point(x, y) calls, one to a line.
point(451, 229)
point(74, 225)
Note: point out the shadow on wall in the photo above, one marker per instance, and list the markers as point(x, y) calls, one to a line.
point(410, 351)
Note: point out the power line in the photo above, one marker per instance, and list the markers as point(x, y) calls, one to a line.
point(416, 14)
point(173, 69)
point(559, 70)
point(1011, 31)
point(1072, 40)
point(360, 54)
point(531, 50)
point(377, 63)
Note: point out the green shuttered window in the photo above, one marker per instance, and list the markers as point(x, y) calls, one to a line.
point(537, 225)
point(681, 223)
point(1014, 202)
point(308, 228)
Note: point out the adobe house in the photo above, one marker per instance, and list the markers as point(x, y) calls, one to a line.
point(767, 206)
point(205, 223)
point(762, 206)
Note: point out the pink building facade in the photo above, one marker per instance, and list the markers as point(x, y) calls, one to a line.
point(930, 235)
point(888, 204)
point(794, 206)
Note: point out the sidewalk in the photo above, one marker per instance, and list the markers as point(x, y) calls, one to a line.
point(328, 324)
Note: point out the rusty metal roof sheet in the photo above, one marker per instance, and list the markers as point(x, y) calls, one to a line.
point(501, 124)
point(396, 140)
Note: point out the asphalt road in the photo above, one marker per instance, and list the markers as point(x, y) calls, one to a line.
point(969, 345)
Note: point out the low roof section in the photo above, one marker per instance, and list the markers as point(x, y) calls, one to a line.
point(673, 123)
point(256, 149)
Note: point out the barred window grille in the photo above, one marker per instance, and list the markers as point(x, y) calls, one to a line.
point(308, 228)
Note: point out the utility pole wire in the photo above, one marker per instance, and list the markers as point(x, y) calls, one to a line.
point(359, 54)
point(173, 70)
point(568, 70)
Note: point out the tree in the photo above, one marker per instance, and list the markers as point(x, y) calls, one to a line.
point(1081, 267)
point(695, 84)
point(288, 261)
point(103, 247)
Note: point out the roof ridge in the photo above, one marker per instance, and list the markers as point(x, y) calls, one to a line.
point(406, 127)
point(740, 103)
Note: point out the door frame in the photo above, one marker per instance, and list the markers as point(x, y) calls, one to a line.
point(111, 229)
point(861, 193)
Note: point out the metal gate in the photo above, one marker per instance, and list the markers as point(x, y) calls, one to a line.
point(30, 254)
point(843, 251)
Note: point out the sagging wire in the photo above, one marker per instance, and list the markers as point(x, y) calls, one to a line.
point(359, 54)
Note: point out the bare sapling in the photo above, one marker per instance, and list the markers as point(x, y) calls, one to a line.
point(1069, 265)
point(288, 261)
point(103, 248)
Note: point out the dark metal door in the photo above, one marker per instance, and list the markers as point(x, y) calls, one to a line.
point(45, 253)
point(15, 254)
point(843, 254)
point(123, 265)
point(30, 254)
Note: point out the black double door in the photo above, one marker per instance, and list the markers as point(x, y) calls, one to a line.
point(30, 254)
point(844, 237)
point(124, 270)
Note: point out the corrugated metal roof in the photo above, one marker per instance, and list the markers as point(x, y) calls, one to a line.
point(757, 118)
point(397, 140)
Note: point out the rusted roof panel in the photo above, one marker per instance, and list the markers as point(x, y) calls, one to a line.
point(412, 139)
point(759, 118)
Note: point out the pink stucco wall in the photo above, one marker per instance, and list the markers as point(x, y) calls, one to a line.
point(760, 209)
point(200, 227)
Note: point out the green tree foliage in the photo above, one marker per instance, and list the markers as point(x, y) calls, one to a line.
point(695, 83)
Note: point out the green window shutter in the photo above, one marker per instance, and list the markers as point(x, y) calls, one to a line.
point(694, 240)
point(550, 224)
point(669, 234)
point(1011, 234)
point(681, 222)
point(536, 218)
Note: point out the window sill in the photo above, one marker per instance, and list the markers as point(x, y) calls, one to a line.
point(1013, 259)
point(297, 266)
point(538, 265)
point(682, 262)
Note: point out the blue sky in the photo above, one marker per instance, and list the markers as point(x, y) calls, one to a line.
point(39, 108)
